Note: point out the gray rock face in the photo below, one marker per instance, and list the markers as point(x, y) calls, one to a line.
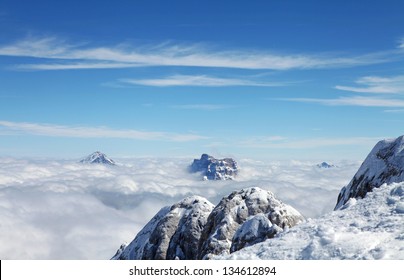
point(173, 233)
point(262, 210)
point(215, 169)
point(98, 157)
point(384, 164)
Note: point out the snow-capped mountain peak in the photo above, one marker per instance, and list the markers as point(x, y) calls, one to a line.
point(173, 233)
point(98, 157)
point(325, 165)
point(244, 218)
point(384, 164)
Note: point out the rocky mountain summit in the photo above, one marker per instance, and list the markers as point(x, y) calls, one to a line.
point(215, 169)
point(173, 233)
point(195, 229)
point(98, 157)
point(244, 218)
point(384, 164)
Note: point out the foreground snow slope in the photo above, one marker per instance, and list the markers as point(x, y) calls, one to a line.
point(369, 228)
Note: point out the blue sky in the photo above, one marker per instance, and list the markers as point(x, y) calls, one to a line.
point(320, 80)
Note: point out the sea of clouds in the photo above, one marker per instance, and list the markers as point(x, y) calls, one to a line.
point(54, 209)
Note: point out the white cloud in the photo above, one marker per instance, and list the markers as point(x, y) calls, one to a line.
point(352, 101)
point(394, 111)
point(375, 84)
point(207, 107)
point(401, 43)
point(76, 211)
point(80, 56)
point(196, 80)
point(74, 66)
point(93, 132)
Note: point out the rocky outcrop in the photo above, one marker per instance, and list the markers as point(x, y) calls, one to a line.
point(242, 219)
point(98, 157)
point(256, 229)
point(384, 164)
point(215, 169)
point(173, 233)
point(195, 229)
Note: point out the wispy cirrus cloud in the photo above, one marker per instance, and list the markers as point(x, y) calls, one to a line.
point(375, 84)
point(64, 55)
point(363, 101)
point(205, 107)
point(196, 80)
point(92, 132)
point(401, 43)
point(394, 111)
point(279, 142)
point(376, 92)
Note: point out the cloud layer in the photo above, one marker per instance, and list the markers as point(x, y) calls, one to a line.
point(66, 210)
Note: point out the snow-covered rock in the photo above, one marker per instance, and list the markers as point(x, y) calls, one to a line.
point(325, 165)
point(254, 206)
point(215, 169)
point(368, 228)
point(256, 229)
point(173, 233)
point(384, 164)
point(98, 157)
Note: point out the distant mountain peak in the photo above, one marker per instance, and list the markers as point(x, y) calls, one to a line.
point(325, 165)
point(215, 169)
point(98, 157)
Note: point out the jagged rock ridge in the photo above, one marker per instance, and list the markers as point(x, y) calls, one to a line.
point(244, 218)
point(384, 164)
point(215, 169)
point(192, 228)
point(173, 233)
point(98, 157)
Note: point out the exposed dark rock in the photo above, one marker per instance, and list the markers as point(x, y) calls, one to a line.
point(215, 169)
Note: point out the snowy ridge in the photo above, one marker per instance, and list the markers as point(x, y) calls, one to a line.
point(384, 164)
point(173, 233)
point(369, 228)
point(215, 169)
point(98, 157)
